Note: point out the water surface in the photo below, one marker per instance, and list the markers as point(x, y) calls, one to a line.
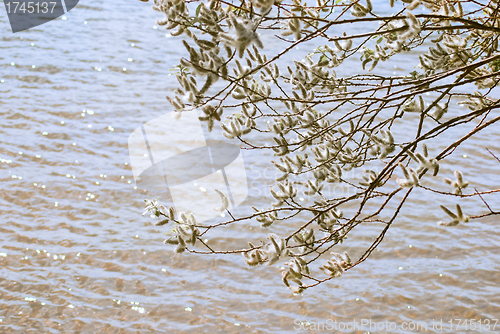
point(77, 256)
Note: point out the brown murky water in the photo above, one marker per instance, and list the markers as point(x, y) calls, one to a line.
point(76, 256)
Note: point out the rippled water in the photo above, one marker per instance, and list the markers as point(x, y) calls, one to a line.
point(77, 256)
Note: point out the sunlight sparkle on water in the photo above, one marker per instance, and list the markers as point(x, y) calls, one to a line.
point(139, 309)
